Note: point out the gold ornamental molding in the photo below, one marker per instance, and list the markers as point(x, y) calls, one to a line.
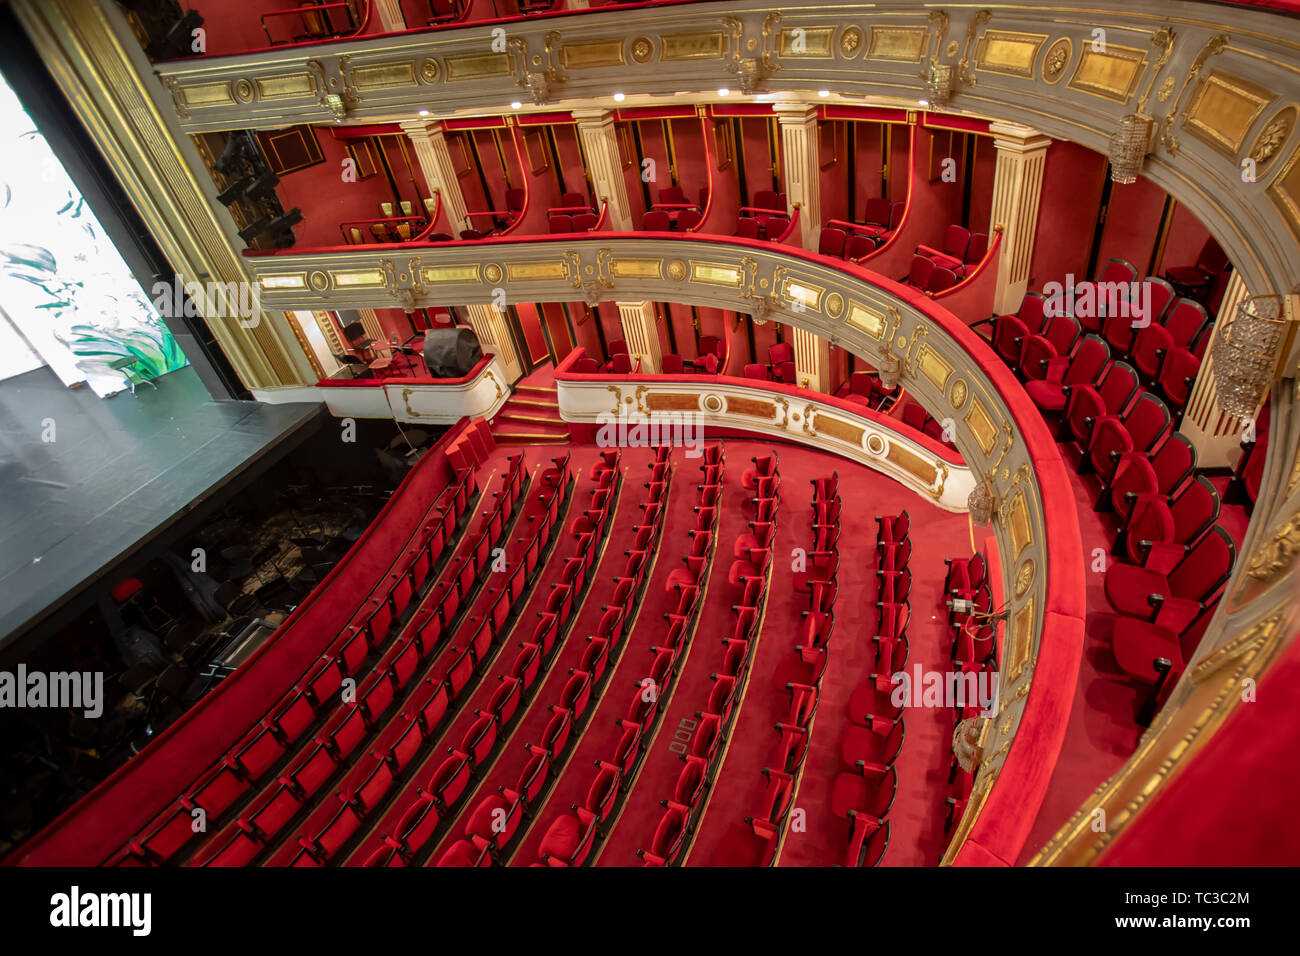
point(1038, 65)
point(1195, 711)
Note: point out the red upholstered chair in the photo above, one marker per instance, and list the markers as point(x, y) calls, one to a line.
point(854, 793)
point(656, 220)
point(568, 839)
point(1197, 279)
point(1010, 331)
point(1178, 375)
point(515, 200)
point(964, 574)
point(781, 352)
point(449, 780)
point(747, 228)
point(669, 835)
point(1175, 584)
point(872, 750)
point(1180, 520)
point(859, 247)
point(1087, 404)
point(1162, 297)
point(868, 841)
point(893, 528)
point(586, 366)
point(1182, 329)
point(673, 194)
point(496, 818)
point(832, 242)
point(767, 199)
point(472, 852)
point(1062, 373)
point(559, 222)
point(1141, 428)
point(977, 250)
point(1162, 473)
point(774, 227)
point(1037, 352)
point(877, 212)
point(941, 279)
point(585, 221)
point(687, 220)
point(574, 199)
point(603, 792)
point(919, 274)
point(1114, 270)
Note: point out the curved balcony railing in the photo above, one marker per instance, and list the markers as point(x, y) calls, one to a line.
point(721, 403)
point(420, 399)
point(944, 364)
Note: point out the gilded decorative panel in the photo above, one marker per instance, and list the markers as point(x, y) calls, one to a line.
point(435, 274)
point(934, 366)
point(1018, 521)
point(981, 425)
point(751, 407)
point(208, 94)
point(637, 268)
point(717, 274)
point(1223, 109)
point(672, 402)
point(1012, 54)
point(807, 41)
point(478, 66)
point(835, 428)
point(692, 46)
point(898, 43)
point(552, 269)
point(358, 278)
point(1021, 640)
point(596, 53)
point(1113, 74)
point(922, 469)
point(1285, 190)
point(873, 323)
point(384, 76)
point(288, 84)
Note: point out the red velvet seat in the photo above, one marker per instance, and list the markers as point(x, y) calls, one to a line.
point(1086, 404)
point(1178, 376)
point(1182, 519)
point(871, 751)
point(1162, 473)
point(852, 793)
point(1175, 583)
point(472, 852)
point(831, 242)
point(1142, 428)
point(1114, 270)
point(669, 836)
point(868, 841)
point(568, 839)
point(496, 818)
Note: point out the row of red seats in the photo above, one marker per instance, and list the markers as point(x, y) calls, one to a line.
point(750, 574)
point(570, 835)
point(409, 737)
point(864, 792)
point(277, 733)
point(1147, 472)
point(378, 724)
point(413, 827)
point(816, 578)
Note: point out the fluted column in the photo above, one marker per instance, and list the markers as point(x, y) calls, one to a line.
point(390, 15)
point(439, 172)
point(604, 165)
point(641, 332)
point(1215, 433)
point(1017, 186)
point(494, 336)
point(801, 163)
point(812, 360)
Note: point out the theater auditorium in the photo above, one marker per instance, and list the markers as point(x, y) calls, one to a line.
point(587, 433)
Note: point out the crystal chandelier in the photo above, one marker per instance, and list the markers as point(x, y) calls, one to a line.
point(980, 503)
point(1129, 145)
point(1247, 350)
point(890, 370)
point(938, 83)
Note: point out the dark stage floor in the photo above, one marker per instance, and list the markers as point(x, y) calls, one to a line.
point(118, 474)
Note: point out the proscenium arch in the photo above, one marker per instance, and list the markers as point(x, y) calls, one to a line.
point(949, 368)
point(1033, 62)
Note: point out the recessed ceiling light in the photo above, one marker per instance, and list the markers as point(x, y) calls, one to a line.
point(619, 97)
point(515, 105)
point(823, 92)
point(724, 92)
point(424, 112)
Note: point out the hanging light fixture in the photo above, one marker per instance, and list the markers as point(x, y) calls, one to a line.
point(980, 503)
point(938, 82)
point(1129, 145)
point(890, 370)
point(1248, 348)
